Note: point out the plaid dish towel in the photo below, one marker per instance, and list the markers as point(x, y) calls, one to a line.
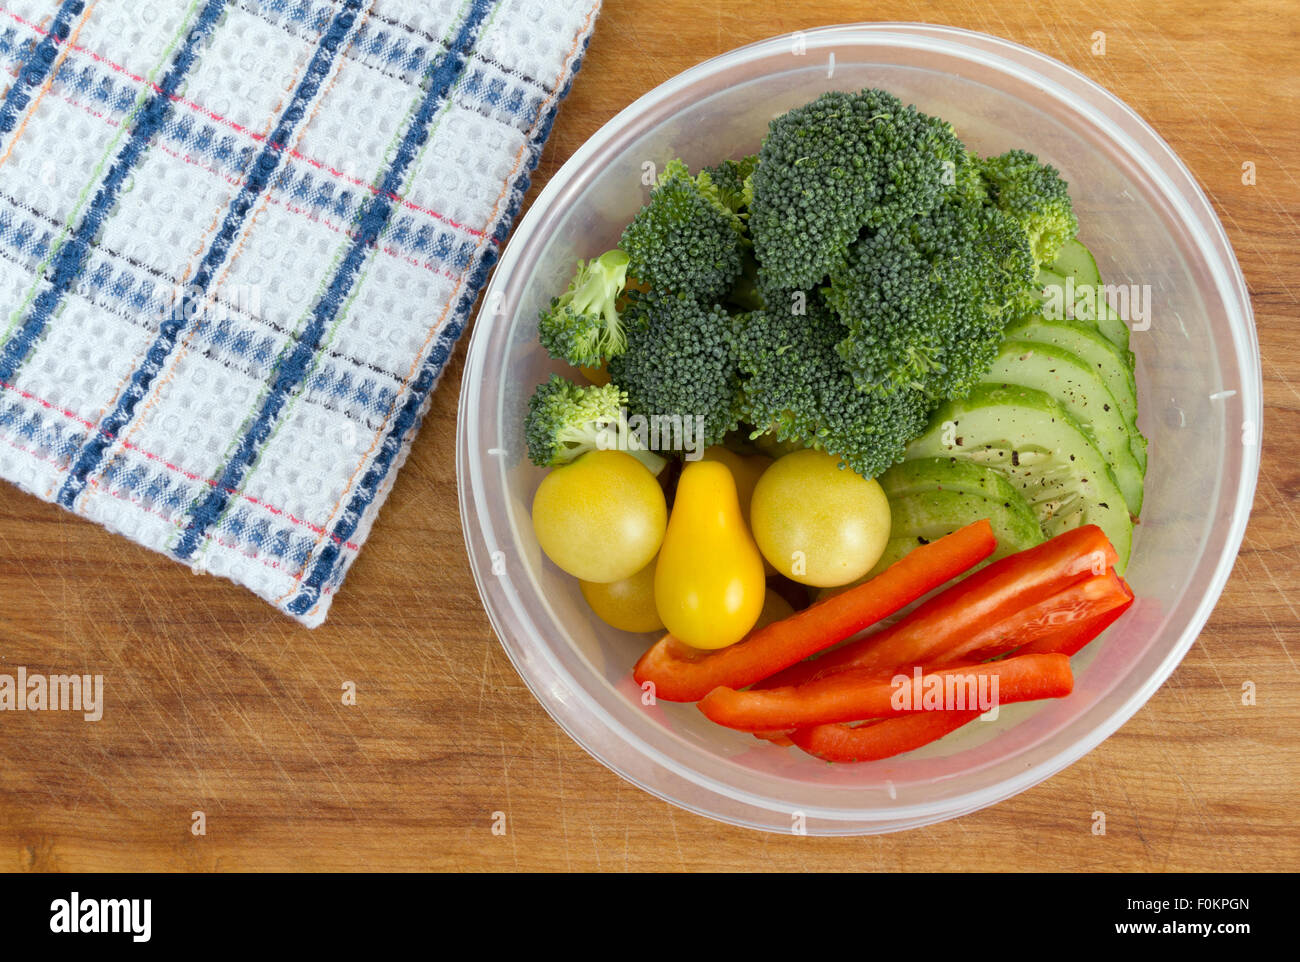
point(238, 240)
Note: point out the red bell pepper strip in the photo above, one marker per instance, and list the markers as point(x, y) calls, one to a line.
point(971, 607)
point(881, 739)
point(857, 695)
point(1070, 638)
point(1064, 624)
point(1053, 623)
point(682, 673)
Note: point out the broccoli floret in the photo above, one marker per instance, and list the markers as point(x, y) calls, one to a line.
point(679, 363)
point(731, 183)
point(566, 420)
point(798, 389)
point(1033, 195)
point(843, 162)
point(686, 240)
point(582, 325)
point(925, 302)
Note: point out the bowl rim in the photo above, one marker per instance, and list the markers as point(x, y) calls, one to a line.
point(1176, 185)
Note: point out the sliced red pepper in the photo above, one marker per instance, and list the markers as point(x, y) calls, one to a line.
point(856, 695)
point(1053, 626)
point(882, 739)
point(1054, 622)
point(682, 673)
point(973, 606)
point(1069, 639)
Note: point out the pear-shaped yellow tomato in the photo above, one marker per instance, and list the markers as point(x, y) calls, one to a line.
point(601, 518)
point(818, 523)
point(709, 585)
point(628, 604)
point(746, 469)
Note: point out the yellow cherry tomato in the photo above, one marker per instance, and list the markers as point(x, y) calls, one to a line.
point(709, 586)
point(601, 518)
point(817, 523)
point(628, 604)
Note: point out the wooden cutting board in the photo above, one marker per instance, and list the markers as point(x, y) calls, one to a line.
point(217, 704)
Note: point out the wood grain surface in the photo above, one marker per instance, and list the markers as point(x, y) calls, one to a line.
point(218, 704)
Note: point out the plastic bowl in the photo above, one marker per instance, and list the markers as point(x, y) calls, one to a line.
point(1199, 382)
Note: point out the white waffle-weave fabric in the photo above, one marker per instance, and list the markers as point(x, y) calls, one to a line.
point(238, 240)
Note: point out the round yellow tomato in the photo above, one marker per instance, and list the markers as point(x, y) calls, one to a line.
point(817, 523)
point(628, 604)
point(601, 518)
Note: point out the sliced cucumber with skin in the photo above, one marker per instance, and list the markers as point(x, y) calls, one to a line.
point(1076, 261)
point(1107, 320)
point(1102, 354)
point(1034, 442)
point(922, 516)
point(946, 474)
point(1089, 345)
point(1084, 394)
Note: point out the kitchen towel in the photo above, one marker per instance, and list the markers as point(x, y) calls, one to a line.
point(238, 240)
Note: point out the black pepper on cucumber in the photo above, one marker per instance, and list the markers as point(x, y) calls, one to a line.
point(1033, 441)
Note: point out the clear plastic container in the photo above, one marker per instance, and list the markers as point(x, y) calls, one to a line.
point(1198, 370)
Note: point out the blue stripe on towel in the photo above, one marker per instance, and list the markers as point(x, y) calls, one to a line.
point(37, 65)
point(70, 259)
point(294, 368)
point(169, 330)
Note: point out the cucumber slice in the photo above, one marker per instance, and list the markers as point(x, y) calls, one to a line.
point(1075, 260)
point(1102, 354)
point(1084, 394)
point(1033, 441)
point(922, 516)
point(1087, 345)
point(946, 474)
point(1053, 292)
point(1096, 311)
point(1076, 263)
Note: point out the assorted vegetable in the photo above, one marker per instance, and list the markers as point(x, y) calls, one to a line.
point(968, 620)
point(682, 673)
point(815, 385)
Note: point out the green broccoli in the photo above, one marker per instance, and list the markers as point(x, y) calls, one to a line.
point(925, 302)
point(798, 389)
point(582, 325)
point(566, 420)
point(686, 240)
point(679, 366)
point(1034, 195)
point(844, 162)
point(731, 184)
